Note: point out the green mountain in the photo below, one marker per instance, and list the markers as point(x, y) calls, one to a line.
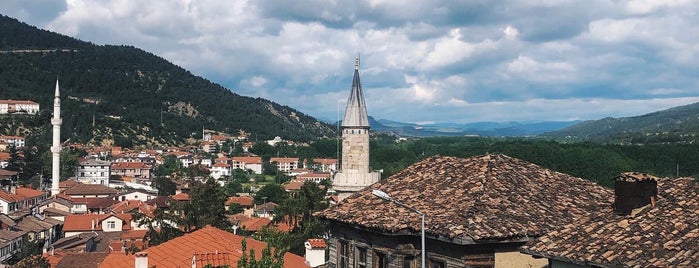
point(126, 96)
point(675, 125)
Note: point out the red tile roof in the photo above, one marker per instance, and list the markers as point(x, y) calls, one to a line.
point(215, 259)
point(247, 159)
point(664, 235)
point(84, 222)
point(317, 243)
point(181, 197)
point(255, 224)
point(89, 189)
point(130, 165)
point(179, 251)
point(489, 197)
point(243, 201)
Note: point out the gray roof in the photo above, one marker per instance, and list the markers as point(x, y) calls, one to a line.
point(355, 112)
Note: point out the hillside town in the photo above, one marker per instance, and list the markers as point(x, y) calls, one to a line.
point(149, 207)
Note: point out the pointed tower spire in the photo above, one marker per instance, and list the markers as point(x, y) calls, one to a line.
point(56, 145)
point(355, 113)
point(355, 173)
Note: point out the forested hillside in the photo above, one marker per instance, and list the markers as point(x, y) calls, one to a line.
point(126, 96)
point(674, 125)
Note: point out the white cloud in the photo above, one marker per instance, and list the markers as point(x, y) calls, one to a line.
point(421, 60)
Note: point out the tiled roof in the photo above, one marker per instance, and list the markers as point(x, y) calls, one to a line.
point(293, 185)
point(89, 189)
point(473, 199)
point(82, 260)
point(317, 243)
point(635, 176)
point(133, 234)
point(159, 201)
point(284, 159)
point(215, 259)
point(68, 183)
point(181, 197)
point(666, 235)
point(129, 165)
point(247, 159)
point(29, 192)
point(325, 161)
point(179, 251)
point(255, 224)
point(244, 201)
point(78, 223)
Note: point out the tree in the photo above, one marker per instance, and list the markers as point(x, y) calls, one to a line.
point(158, 228)
point(235, 208)
point(232, 188)
point(169, 166)
point(165, 186)
point(34, 261)
point(206, 206)
point(269, 259)
point(272, 193)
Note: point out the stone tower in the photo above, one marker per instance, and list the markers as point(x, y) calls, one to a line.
point(56, 146)
point(354, 173)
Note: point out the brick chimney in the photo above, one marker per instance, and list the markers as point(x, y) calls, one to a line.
point(633, 190)
point(141, 260)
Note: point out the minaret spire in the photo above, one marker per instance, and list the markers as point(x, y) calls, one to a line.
point(56, 145)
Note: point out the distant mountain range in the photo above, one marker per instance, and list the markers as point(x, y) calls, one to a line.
point(126, 96)
point(490, 129)
point(675, 125)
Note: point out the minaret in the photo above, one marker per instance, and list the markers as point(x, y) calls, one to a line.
point(56, 146)
point(354, 174)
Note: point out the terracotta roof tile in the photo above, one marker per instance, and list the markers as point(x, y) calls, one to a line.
point(83, 259)
point(317, 243)
point(666, 235)
point(244, 201)
point(214, 258)
point(255, 224)
point(89, 189)
point(474, 199)
point(181, 197)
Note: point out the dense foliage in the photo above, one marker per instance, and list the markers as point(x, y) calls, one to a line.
point(595, 162)
point(126, 96)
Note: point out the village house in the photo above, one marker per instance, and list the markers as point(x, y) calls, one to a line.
point(11, 242)
point(77, 224)
point(18, 107)
point(137, 170)
point(477, 212)
point(253, 163)
point(219, 170)
point(654, 223)
point(93, 171)
point(208, 147)
point(285, 164)
point(324, 164)
point(16, 141)
point(4, 160)
point(20, 198)
point(315, 251)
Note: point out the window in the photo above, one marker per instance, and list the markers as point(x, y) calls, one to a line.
point(111, 224)
point(435, 264)
point(343, 254)
point(380, 260)
point(408, 262)
point(361, 257)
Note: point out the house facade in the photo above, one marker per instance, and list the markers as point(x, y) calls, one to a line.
point(285, 164)
point(18, 107)
point(253, 163)
point(137, 170)
point(478, 211)
point(93, 171)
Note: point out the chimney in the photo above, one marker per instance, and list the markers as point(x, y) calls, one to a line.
point(315, 251)
point(92, 224)
point(633, 190)
point(141, 260)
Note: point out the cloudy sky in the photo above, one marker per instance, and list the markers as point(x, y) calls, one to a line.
point(421, 61)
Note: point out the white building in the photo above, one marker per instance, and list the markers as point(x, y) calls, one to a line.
point(219, 170)
point(93, 171)
point(18, 106)
point(17, 141)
